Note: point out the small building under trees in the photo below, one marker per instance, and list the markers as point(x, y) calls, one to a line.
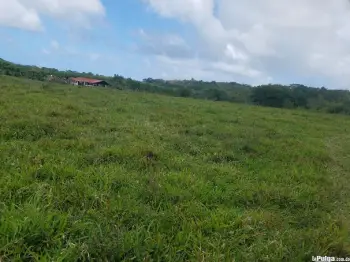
point(83, 81)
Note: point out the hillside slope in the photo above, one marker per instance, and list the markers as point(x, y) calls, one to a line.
point(272, 95)
point(116, 175)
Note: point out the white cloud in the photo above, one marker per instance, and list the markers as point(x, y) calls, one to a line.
point(200, 69)
point(94, 56)
point(52, 49)
point(56, 49)
point(14, 14)
point(55, 45)
point(167, 44)
point(261, 39)
point(45, 51)
point(26, 14)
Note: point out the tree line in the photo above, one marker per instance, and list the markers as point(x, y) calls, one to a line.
point(272, 95)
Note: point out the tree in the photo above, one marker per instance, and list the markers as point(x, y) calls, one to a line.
point(271, 95)
point(184, 92)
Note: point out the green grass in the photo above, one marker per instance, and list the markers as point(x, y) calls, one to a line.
point(106, 175)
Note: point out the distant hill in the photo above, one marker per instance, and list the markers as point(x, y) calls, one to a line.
point(272, 95)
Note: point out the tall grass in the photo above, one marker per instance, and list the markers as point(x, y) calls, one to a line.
point(107, 175)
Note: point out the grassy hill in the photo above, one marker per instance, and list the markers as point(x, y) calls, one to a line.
point(103, 174)
point(271, 95)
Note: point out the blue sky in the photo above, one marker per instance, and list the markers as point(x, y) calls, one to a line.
point(224, 40)
point(107, 47)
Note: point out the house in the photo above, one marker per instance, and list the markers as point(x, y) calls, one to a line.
point(83, 81)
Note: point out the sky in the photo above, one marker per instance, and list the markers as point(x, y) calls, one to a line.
point(247, 41)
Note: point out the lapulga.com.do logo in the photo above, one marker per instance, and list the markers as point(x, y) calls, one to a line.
point(329, 259)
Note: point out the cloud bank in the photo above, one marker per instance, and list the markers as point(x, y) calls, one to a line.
point(264, 41)
point(28, 14)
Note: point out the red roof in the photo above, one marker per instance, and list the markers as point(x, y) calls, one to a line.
point(87, 80)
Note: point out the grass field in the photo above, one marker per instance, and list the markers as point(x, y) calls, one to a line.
point(107, 175)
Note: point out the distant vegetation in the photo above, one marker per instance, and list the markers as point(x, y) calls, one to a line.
point(272, 95)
